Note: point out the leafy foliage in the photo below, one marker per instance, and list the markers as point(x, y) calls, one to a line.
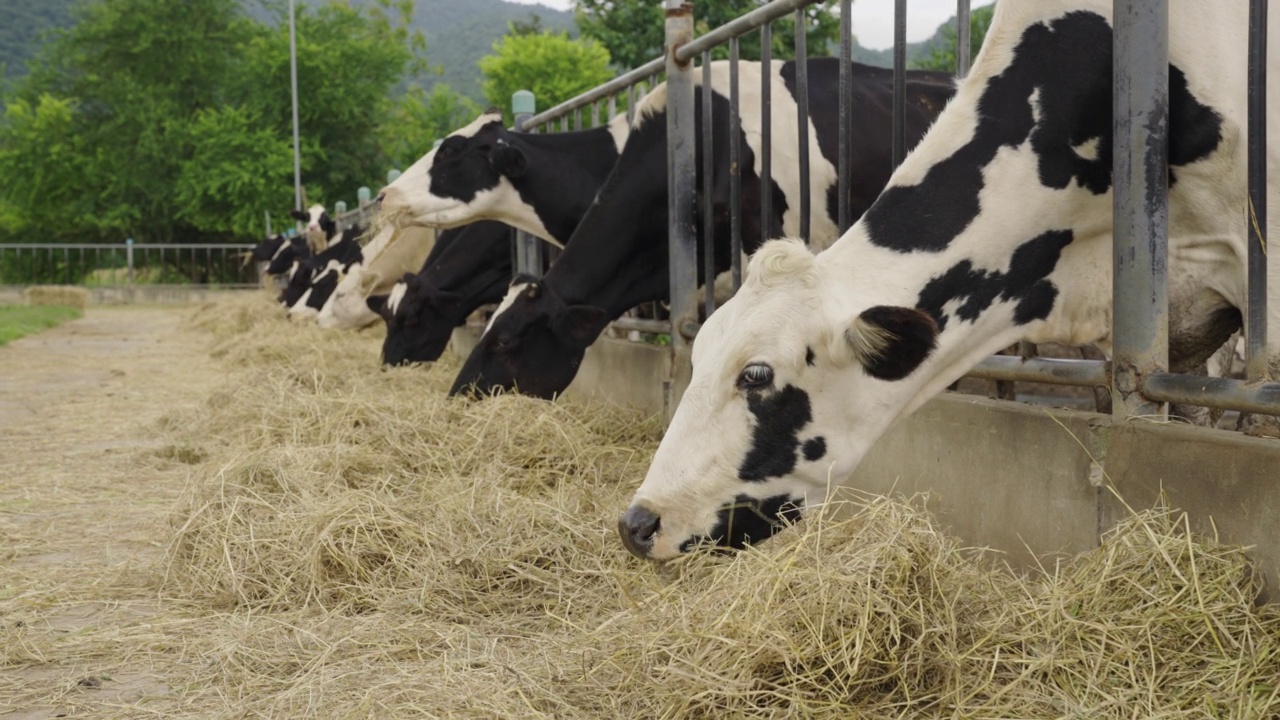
point(419, 118)
point(941, 54)
point(553, 66)
point(170, 120)
point(632, 30)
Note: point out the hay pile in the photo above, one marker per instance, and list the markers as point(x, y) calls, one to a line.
point(373, 549)
point(59, 295)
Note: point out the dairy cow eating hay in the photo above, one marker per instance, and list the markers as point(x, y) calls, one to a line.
point(996, 228)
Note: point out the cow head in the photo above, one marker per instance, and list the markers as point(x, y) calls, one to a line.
point(791, 384)
point(267, 249)
point(420, 320)
point(468, 175)
point(288, 255)
point(349, 308)
point(533, 344)
point(320, 227)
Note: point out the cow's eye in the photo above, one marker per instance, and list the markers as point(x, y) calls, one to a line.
point(755, 376)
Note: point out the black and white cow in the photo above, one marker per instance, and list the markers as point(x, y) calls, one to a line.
point(542, 184)
point(998, 227)
point(618, 257)
point(317, 276)
point(320, 227)
point(468, 268)
point(267, 249)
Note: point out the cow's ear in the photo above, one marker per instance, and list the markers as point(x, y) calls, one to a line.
point(369, 280)
point(888, 342)
point(508, 161)
point(580, 324)
point(377, 303)
point(299, 215)
point(328, 225)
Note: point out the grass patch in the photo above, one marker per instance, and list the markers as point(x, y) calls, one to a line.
point(19, 320)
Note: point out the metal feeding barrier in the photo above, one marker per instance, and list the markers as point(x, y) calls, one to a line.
point(127, 264)
point(1140, 381)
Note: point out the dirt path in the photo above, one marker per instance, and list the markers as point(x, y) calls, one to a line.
point(84, 483)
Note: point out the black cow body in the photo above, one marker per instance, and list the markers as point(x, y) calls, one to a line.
point(618, 257)
point(556, 177)
point(469, 267)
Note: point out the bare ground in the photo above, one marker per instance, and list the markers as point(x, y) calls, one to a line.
point(85, 483)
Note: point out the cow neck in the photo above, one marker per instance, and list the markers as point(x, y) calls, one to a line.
point(564, 171)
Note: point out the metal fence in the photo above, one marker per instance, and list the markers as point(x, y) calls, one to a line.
point(1140, 382)
point(128, 263)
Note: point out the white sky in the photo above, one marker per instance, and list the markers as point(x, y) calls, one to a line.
point(872, 19)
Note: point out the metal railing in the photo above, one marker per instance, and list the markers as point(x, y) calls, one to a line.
point(126, 264)
point(1140, 383)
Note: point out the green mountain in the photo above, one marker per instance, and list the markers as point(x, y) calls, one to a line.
point(22, 23)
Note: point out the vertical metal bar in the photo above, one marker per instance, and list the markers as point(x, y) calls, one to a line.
point(899, 81)
point(681, 165)
point(595, 114)
point(1141, 257)
point(528, 249)
point(962, 38)
point(66, 263)
point(631, 104)
point(766, 144)
point(735, 167)
point(708, 186)
point(613, 108)
point(564, 123)
point(129, 257)
point(1256, 366)
point(802, 119)
point(844, 112)
point(577, 119)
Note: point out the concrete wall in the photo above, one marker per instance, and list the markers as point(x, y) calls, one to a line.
point(1026, 480)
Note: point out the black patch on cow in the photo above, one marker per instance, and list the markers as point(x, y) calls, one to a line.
point(1024, 283)
point(912, 335)
point(749, 520)
point(1067, 64)
point(815, 449)
point(809, 357)
point(779, 416)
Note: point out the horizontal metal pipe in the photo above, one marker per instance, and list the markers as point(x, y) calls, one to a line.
point(1082, 373)
point(1221, 393)
point(618, 84)
point(657, 327)
point(740, 26)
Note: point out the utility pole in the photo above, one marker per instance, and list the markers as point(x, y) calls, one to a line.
point(293, 81)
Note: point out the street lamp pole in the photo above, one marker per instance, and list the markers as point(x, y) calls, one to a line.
point(293, 81)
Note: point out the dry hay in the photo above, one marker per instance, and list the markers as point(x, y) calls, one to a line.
point(58, 295)
point(350, 543)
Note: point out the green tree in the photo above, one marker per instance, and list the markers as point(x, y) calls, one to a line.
point(170, 120)
point(553, 66)
point(633, 32)
point(420, 118)
point(942, 56)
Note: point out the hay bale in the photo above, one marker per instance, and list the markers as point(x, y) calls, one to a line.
point(378, 549)
point(59, 295)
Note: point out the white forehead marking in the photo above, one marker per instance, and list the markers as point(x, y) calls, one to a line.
point(507, 302)
point(397, 295)
point(476, 124)
point(619, 128)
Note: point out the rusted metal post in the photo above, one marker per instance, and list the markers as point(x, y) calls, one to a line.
point(1256, 366)
point(681, 165)
point(1141, 202)
point(528, 248)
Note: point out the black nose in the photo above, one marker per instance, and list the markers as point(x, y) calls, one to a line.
point(637, 527)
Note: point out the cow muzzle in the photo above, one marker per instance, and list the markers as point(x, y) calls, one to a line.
point(637, 526)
